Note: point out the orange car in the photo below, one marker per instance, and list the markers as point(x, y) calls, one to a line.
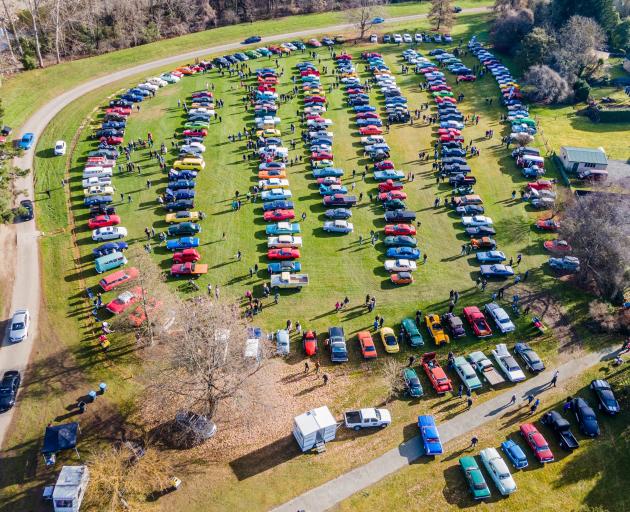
point(185, 70)
point(402, 278)
point(272, 173)
point(367, 345)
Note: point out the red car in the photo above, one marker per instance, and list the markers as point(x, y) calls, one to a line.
point(321, 155)
point(451, 138)
point(400, 229)
point(101, 221)
point(367, 115)
point(112, 140)
point(189, 269)
point(436, 88)
point(283, 254)
point(467, 78)
point(368, 350)
point(557, 246)
point(540, 185)
point(121, 111)
point(389, 185)
point(384, 165)
point(195, 133)
point(186, 256)
point(309, 342)
point(278, 215)
point(329, 180)
point(124, 301)
point(446, 99)
point(391, 195)
point(477, 321)
point(440, 382)
point(371, 130)
point(548, 224)
point(449, 131)
point(401, 278)
point(537, 443)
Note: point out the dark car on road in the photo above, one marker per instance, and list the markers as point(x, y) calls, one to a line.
point(8, 389)
point(28, 212)
point(252, 40)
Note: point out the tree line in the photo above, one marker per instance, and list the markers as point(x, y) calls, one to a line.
point(557, 42)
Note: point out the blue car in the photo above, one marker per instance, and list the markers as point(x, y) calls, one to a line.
point(135, 98)
point(514, 453)
point(497, 270)
point(490, 257)
point(26, 141)
point(284, 266)
point(97, 200)
point(116, 125)
point(338, 213)
point(277, 205)
point(180, 184)
point(400, 241)
point(328, 171)
point(388, 174)
point(182, 243)
point(175, 175)
point(430, 435)
point(109, 248)
point(369, 122)
point(139, 92)
point(377, 20)
point(331, 190)
point(178, 206)
point(177, 195)
point(408, 253)
point(365, 108)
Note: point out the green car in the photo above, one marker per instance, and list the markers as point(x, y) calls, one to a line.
point(185, 228)
point(474, 477)
point(196, 124)
point(412, 383)
point(252, 54)
point(409, 332)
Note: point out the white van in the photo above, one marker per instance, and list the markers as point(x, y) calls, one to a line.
point(91, 172)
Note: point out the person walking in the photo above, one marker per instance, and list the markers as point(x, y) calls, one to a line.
point(473, 442)
point(381, 322)
point(412, 359)
point(375, 324)
point(469, 402)
point(306, 367)
point(460, 391)
point(317, 367)
point(325, 378)
point(529, 398)
point(554, 379)
point(512, 400)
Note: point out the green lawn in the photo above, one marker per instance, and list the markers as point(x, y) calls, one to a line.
point(23, 93)
point(591, 478)
point(338, 266)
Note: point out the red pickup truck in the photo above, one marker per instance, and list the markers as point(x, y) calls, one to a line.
point(189, 269)
point(477, 321)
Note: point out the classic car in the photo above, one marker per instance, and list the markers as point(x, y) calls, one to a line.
point(498, 470)
point(483, 243)
point(389, 186)
point(435, 329)
point(514, 453)
point(413, 388)
point(189, 269)
point(440, 382)
point(327, 171)
point(409, 253)
point(102, 221)
point(400, 265)
point(388, 174)
point(389, 340)
point(500, 317)
point(480, 231)
point(536, 442)
point(498, 270)
point(430, 436)
point(276, 194)
point(284, 253)
point(340, 200)
point(338, 226)
point(410, 333)
point(562, 428)
point(605, 396)
point(484, 366)
point(186, 242)
point(283, 228)
point(477, 321)
point(182, 216)
point(124, 301)
point(466, 373)
point(400, 229)
point(507, 363)
point(565, 265)
point(490, 256)
point(400, 216)
point(454, 324)
point(284, 266)
point(476, 221)
point(401, 278)
point(557, 246)
point(280, 241)
point(548, 224)
point(180, 205)
point(277, 205)
point(368, 349)
point(278, 215)
point(309, 343)
point(529, 357)
point(186, 256)
point(585, 417)
point(400, 241)
point(338, 213)
point(474, 478)
point(109, 233)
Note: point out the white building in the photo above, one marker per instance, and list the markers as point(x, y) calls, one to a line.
point(70, 488)
point(576, 160)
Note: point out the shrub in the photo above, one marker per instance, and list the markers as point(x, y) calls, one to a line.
point(581, 91)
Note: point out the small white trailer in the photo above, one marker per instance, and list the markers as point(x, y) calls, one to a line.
point(314, 428)
point(70, 488)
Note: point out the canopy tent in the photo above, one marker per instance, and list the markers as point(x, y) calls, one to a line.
point(58, 438)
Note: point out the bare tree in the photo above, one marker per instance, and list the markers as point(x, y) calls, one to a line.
point(442, 15)
point(205, 361)
point(11, 21)
point(522, 139)
point(544, 85)
point(361, 14)
point(392, 374)
point(120, 480)
point(33, 9)
point(503, 6)
point(576, 56)
point(596, 227)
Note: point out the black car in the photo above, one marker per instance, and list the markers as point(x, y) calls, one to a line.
point(29, 212)
point(252, 39)
point(530, 357)
point(460, 180)
point(454, 324)
point(400, 216)
point(480, 231)
point(120, 103)
point(471, 209)
point(177, 206)
point(562, 428)
point(605, 397)
point(8, 389)
point(101, 209)
point(277, 205)
point(585, 416)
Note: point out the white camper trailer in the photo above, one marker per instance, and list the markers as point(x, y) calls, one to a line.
point(70, 488)
point(314, 428)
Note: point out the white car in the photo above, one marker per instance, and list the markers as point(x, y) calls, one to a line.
point(417, 38)
point(272, 183)
point(109, 233)
point(400, 265)
point(338, 226)
point(373, 38)
point(274, 242)
point(96, 180)
point(498, 470)
point(157, 81)
point(397, 38)
point(18, 330)
point(500, 317)
point(60, 148)
point(507, 363)
point(173, 78)
point(407, 38)
point(148, 87)
point(477, 220)
point(98, 190)
point(372, 139)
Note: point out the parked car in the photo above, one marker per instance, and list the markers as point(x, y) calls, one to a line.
point(338, 213)
point(585, 417)
point(434, 326)
point(336, 343)
point(507, 363)
point(500, 317)
point(440, 382)
point(536, 442)
point(9, 386)
point(410, 333)
point(514, 453)
point(477, 321)
point(367, 418)
point(484, 366)
point(466, 373)
point(183, 228)
point(430, 436)
point(60, 148)
point(605, 396)
point(498, 270)
point(109, 233)
point(498, 470)
point(400, 265)
point(27, 141)
point(189, 269)
point(368, 350)
point(529, 356)
point(186, 242)
point(562, 428)
point(454, 324)
point(413, 388)
point(474, 478)
point(283, 343)
point(338, 226)
point(490, 257)
point(309, 343)
point(389, 340)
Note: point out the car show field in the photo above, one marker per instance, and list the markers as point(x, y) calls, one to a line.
point(406, 321)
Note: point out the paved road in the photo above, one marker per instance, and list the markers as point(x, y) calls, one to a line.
point(26, 287)
point(331, 493)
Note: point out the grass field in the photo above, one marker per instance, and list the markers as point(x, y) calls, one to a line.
point(337, 266)
point(23, 93)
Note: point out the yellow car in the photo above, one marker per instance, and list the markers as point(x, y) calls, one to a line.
point(269, 132)
point(98, 190)
point(435, 329)
point(183, 216)
point(191, 164)
point(389, 340)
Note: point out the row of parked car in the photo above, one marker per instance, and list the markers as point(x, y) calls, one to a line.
point(418, 37)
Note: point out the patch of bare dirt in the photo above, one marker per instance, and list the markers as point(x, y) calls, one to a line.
point(8, 242)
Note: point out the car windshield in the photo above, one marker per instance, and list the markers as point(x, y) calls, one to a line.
point(504, 476)
point(414, 382)
point(370, 349)
point(542, 448)
point(17, 326)
point(390, 340)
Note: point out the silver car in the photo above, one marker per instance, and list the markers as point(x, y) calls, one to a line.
point(18, 330)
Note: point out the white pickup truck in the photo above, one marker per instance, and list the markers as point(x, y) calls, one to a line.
point(367, 418)
point(289, 280)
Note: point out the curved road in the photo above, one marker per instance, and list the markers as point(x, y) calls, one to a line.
point(26, 285)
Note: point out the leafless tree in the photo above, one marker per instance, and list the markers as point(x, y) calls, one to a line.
point(361, 14)
point(502, 6)
point(442, 15)
point(392, 374)
point(11, 21)
point(575, 56)
point(596, 227)
point(33, 9)
point(522, 139)
point(544, 85)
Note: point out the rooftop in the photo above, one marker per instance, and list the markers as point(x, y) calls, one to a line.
point(586, 155)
